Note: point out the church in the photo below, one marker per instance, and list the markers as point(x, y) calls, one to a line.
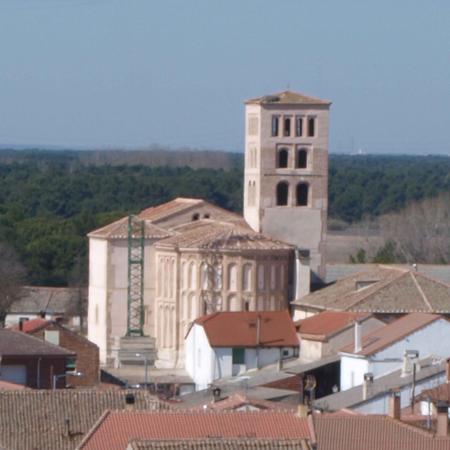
point(152, 274)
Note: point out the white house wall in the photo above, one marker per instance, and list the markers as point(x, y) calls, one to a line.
point(427, 341)
point(200, 357)
point(380, 404)
point(97, 307)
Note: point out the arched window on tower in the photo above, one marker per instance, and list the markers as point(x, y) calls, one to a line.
point(302, 158)
point(302, 194)
point(282, 158)
point(282, 193)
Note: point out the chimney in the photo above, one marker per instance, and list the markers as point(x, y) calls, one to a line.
point(302, 273)
point(395, 404)
point(42, 314)
point(410, 358)
point(367, 385)
point(217, 393)
point(129, 401)
point(442, 419)
point(358, 337)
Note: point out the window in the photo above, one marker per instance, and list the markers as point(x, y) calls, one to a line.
point(302, 158)
point(238, 356)
point(52, 336)
point(299, 126)
point(275, 125)
point(302, 194)
point(71, 364)
point(282, 193)
point(247, 277)
point(206, 216)
point(287, 126)
point(232, 277)
point(195, 217)
point(311, 126)
point(282, 158)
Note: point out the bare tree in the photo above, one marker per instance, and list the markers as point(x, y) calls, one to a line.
point(12, 276)
point(420, 232)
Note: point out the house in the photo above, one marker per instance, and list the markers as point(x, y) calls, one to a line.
point(87, 358)
point(152, 274)
point(116, 429)
point(59, 419)
point(241, 401)
point(227, 344)
point(31, 362)
point(386, 291)
point(324, 334)
point(376, 432)
point(49, 303)
point(387, 349)
point(372, 397)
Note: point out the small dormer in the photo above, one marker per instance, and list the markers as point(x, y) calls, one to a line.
point(362, 284)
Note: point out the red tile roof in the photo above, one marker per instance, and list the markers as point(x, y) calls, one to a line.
point(8, 386)
point(372, 432)
point(328, 323)
point(395, 331)
point(30, 326)
point(115, 429)
point(239, 329)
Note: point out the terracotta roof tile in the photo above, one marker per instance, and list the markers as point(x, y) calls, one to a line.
point(30, 326)
point(58, 420)
point(439, 393)
point(8, 386)
point(222, 444)
point(276, 329)
point(372, 432)
point(119, 230)
point(288, 98)
point(116, 429)
point(382, 289)
point(15, 343)
point(215, 235)
point(328, 323)
point(167, 209)
point(395, 331)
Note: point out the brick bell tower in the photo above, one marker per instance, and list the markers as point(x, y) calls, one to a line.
point(286, 171)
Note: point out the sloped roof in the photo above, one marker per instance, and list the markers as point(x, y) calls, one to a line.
point(9, 386)
point(216, 235)
point(288, 98)
point(58, 420)
point(388, 290)
point(30, 326)
point(222, 444)
point(239, 329)
point(389, 334)
point(429, 370)
point(117, 428)
point(439, 393)
point(15, 343)
point(372, 432)
point(240, 399)
point(328, 323)
point(55, 300)
point(119, 230)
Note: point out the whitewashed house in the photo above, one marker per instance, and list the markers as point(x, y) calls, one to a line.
point(324, 334)
point(394, 346)
point(226, 344)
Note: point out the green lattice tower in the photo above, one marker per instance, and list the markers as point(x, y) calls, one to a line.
point(135, 320)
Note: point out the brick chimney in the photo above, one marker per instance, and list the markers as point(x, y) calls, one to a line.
point(395, 404)
point(442, 419)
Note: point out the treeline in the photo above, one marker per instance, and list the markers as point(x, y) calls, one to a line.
point(50, 200)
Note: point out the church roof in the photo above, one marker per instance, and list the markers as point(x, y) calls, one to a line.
point(287, 98)
point(207, 234)
point(382, 289)
point(119, 230)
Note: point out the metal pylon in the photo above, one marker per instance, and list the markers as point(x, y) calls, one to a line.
point(135, 320)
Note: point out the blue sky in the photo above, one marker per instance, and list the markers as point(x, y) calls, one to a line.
point(131, 73)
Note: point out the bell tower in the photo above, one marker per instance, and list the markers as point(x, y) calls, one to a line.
point(286, 171)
